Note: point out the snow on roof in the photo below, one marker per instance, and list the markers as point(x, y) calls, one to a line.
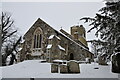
point(23, 41)
point(49, 46)
point(50, 37)
point(61, 48)
point(73, 61)
point(57, 60)
point(19, 49)
point(64, 64)
point(74, 41)
point(58, 38)
point(53, 36)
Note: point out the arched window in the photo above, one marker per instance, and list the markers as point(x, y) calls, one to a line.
point(34, 41)
point(37, 38)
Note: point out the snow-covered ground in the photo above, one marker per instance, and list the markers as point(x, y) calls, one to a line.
point(35, 69)
point(0, 73)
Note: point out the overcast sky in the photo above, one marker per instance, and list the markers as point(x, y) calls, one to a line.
point(57, 15)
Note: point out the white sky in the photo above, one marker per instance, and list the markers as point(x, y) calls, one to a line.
point(51, 0)
point(56, 14)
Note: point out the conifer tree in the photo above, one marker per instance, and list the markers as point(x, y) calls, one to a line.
point(107, 25)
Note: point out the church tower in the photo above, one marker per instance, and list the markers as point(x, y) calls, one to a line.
point(79, 33)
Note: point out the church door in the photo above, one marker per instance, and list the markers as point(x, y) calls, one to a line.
point(71, 56)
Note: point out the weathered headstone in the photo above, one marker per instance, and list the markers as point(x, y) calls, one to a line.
point(114, 69)
point(116, 63)
point(73, 67)
point(54, 68)
point(118, 76)
point(63, 69)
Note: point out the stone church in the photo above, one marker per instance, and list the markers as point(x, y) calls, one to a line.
point(42, 41)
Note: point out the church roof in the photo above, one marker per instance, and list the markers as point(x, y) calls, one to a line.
point(74, 42)
point(19, 49)
point(33, 27)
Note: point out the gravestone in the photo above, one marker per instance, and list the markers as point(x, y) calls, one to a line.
point(116, 63)
point(73, 67)
point(63, 68)
point(54, 68)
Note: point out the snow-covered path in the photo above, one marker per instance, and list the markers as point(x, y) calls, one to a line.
point(35, 69)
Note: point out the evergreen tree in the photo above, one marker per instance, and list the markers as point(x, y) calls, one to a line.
point(107, 25)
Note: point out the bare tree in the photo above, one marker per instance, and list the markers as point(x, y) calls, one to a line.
point(10, 39)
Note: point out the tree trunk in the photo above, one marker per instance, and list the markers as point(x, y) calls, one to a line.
point(13, 57)
point(4, 57)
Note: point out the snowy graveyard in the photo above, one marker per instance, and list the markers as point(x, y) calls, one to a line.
point(36, 69)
